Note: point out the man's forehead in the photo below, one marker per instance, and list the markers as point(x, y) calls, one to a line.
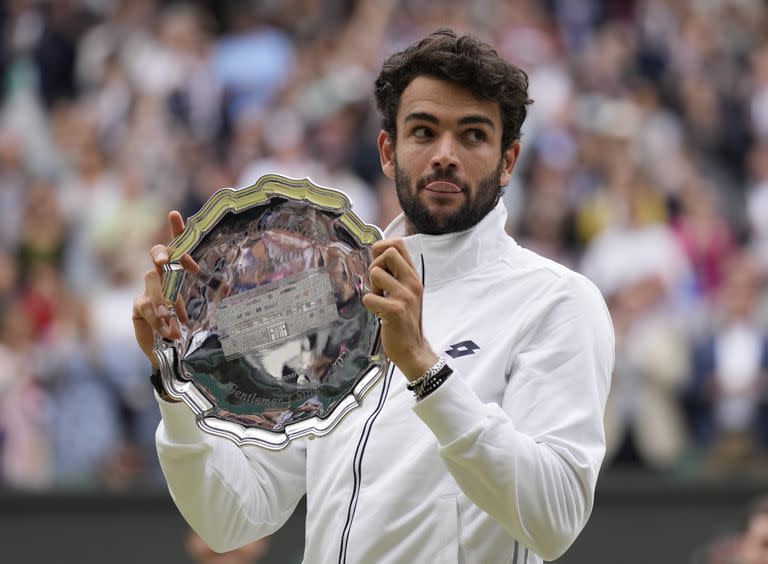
point(445, 101)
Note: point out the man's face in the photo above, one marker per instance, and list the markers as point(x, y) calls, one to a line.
point(447, 162)
point(755, 542)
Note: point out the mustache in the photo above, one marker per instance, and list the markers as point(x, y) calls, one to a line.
point(445, 174)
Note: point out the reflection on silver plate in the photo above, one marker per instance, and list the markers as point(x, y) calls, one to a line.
point(278, 344)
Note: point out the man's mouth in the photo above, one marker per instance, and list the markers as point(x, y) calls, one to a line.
point(443, 187)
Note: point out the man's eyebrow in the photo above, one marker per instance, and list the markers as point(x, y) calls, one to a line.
point(477, 119)
point(466, 120)
point(421, 116)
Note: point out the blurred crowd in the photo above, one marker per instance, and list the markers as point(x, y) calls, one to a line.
point(644, 165)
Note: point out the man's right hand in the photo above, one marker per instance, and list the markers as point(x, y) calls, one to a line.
point(151, 311)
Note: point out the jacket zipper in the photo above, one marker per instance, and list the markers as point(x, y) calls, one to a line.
point(357, 464)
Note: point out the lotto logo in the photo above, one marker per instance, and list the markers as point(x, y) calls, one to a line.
point(462, 349)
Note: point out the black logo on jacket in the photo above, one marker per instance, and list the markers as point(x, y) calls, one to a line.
point(462, 349)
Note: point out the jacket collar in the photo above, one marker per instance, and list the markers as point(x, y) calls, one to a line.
point(439, 258)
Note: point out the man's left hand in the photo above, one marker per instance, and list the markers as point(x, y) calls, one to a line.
point(396, 297)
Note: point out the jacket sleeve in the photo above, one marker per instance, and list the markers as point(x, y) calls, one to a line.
point(532, 462)
point(230, 495)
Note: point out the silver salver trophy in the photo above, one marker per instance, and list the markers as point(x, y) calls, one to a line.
point(278, 344)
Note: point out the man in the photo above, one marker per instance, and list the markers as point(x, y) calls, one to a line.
point(753, 547)
point(484, 442)
point(747, 547)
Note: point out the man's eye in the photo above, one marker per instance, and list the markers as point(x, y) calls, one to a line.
point(476, 135)
point(422, 132)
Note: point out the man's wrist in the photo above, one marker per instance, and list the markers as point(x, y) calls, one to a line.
point(432, 379)
point(414, 370)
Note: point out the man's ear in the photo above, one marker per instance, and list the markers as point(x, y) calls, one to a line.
point(387, 153)
point(509, 159)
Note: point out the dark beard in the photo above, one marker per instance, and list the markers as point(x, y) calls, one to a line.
point(488, 194)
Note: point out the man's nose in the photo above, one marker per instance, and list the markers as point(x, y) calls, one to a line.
point(445, 155)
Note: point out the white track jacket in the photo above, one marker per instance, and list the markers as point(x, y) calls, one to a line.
point(498, 465)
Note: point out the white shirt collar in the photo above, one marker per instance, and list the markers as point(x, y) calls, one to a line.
point(449, 256)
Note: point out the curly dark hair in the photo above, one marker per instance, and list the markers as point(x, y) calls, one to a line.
point(464, 60)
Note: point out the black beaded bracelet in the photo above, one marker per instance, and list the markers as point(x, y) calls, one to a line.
point(433, 383)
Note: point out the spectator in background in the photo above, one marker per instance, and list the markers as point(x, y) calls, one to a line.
point(705, 236)
point(25, 459)
point(757, 204)
point(728, 403)
point(547, 223)
point(753, 546)
point(749, 546)
point(13, 198)
point(254, 61)
point(43, 237)
point(283, 136)
point(640, 268)
point(82, 414)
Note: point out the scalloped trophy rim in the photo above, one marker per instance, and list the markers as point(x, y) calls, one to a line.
point(226, 200)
